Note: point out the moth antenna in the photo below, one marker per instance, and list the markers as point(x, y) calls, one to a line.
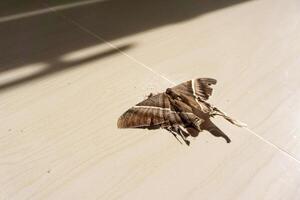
point(216, 111)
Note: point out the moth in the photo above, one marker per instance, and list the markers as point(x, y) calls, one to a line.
point(182, 110)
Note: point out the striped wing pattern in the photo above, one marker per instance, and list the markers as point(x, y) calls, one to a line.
point(198, 88)
point(152, 112)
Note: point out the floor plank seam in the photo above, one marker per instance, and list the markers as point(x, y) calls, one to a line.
point(91, 33)
point(272, 144)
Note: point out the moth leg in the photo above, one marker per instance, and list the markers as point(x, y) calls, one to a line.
point(184, 131)
point(176, 129)
point(183, 135)
point(173, 133)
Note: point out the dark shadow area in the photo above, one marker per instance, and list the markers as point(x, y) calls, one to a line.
point(45, 38)
point(57, 66)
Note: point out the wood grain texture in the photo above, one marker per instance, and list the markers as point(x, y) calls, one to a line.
point(58, 134)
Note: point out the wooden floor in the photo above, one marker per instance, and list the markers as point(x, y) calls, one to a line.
point(69, 69)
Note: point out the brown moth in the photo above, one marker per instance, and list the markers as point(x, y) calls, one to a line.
point(182, 110)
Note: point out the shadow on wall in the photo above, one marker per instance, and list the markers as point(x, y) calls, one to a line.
point(46, 36)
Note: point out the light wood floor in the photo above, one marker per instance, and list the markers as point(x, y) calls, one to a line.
point(69, 69)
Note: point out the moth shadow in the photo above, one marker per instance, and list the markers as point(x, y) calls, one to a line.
point(219, 133)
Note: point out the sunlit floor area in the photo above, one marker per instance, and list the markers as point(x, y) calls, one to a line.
point(69, 69)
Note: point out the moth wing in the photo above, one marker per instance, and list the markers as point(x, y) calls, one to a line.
point(199, 88)
point(154, 112)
